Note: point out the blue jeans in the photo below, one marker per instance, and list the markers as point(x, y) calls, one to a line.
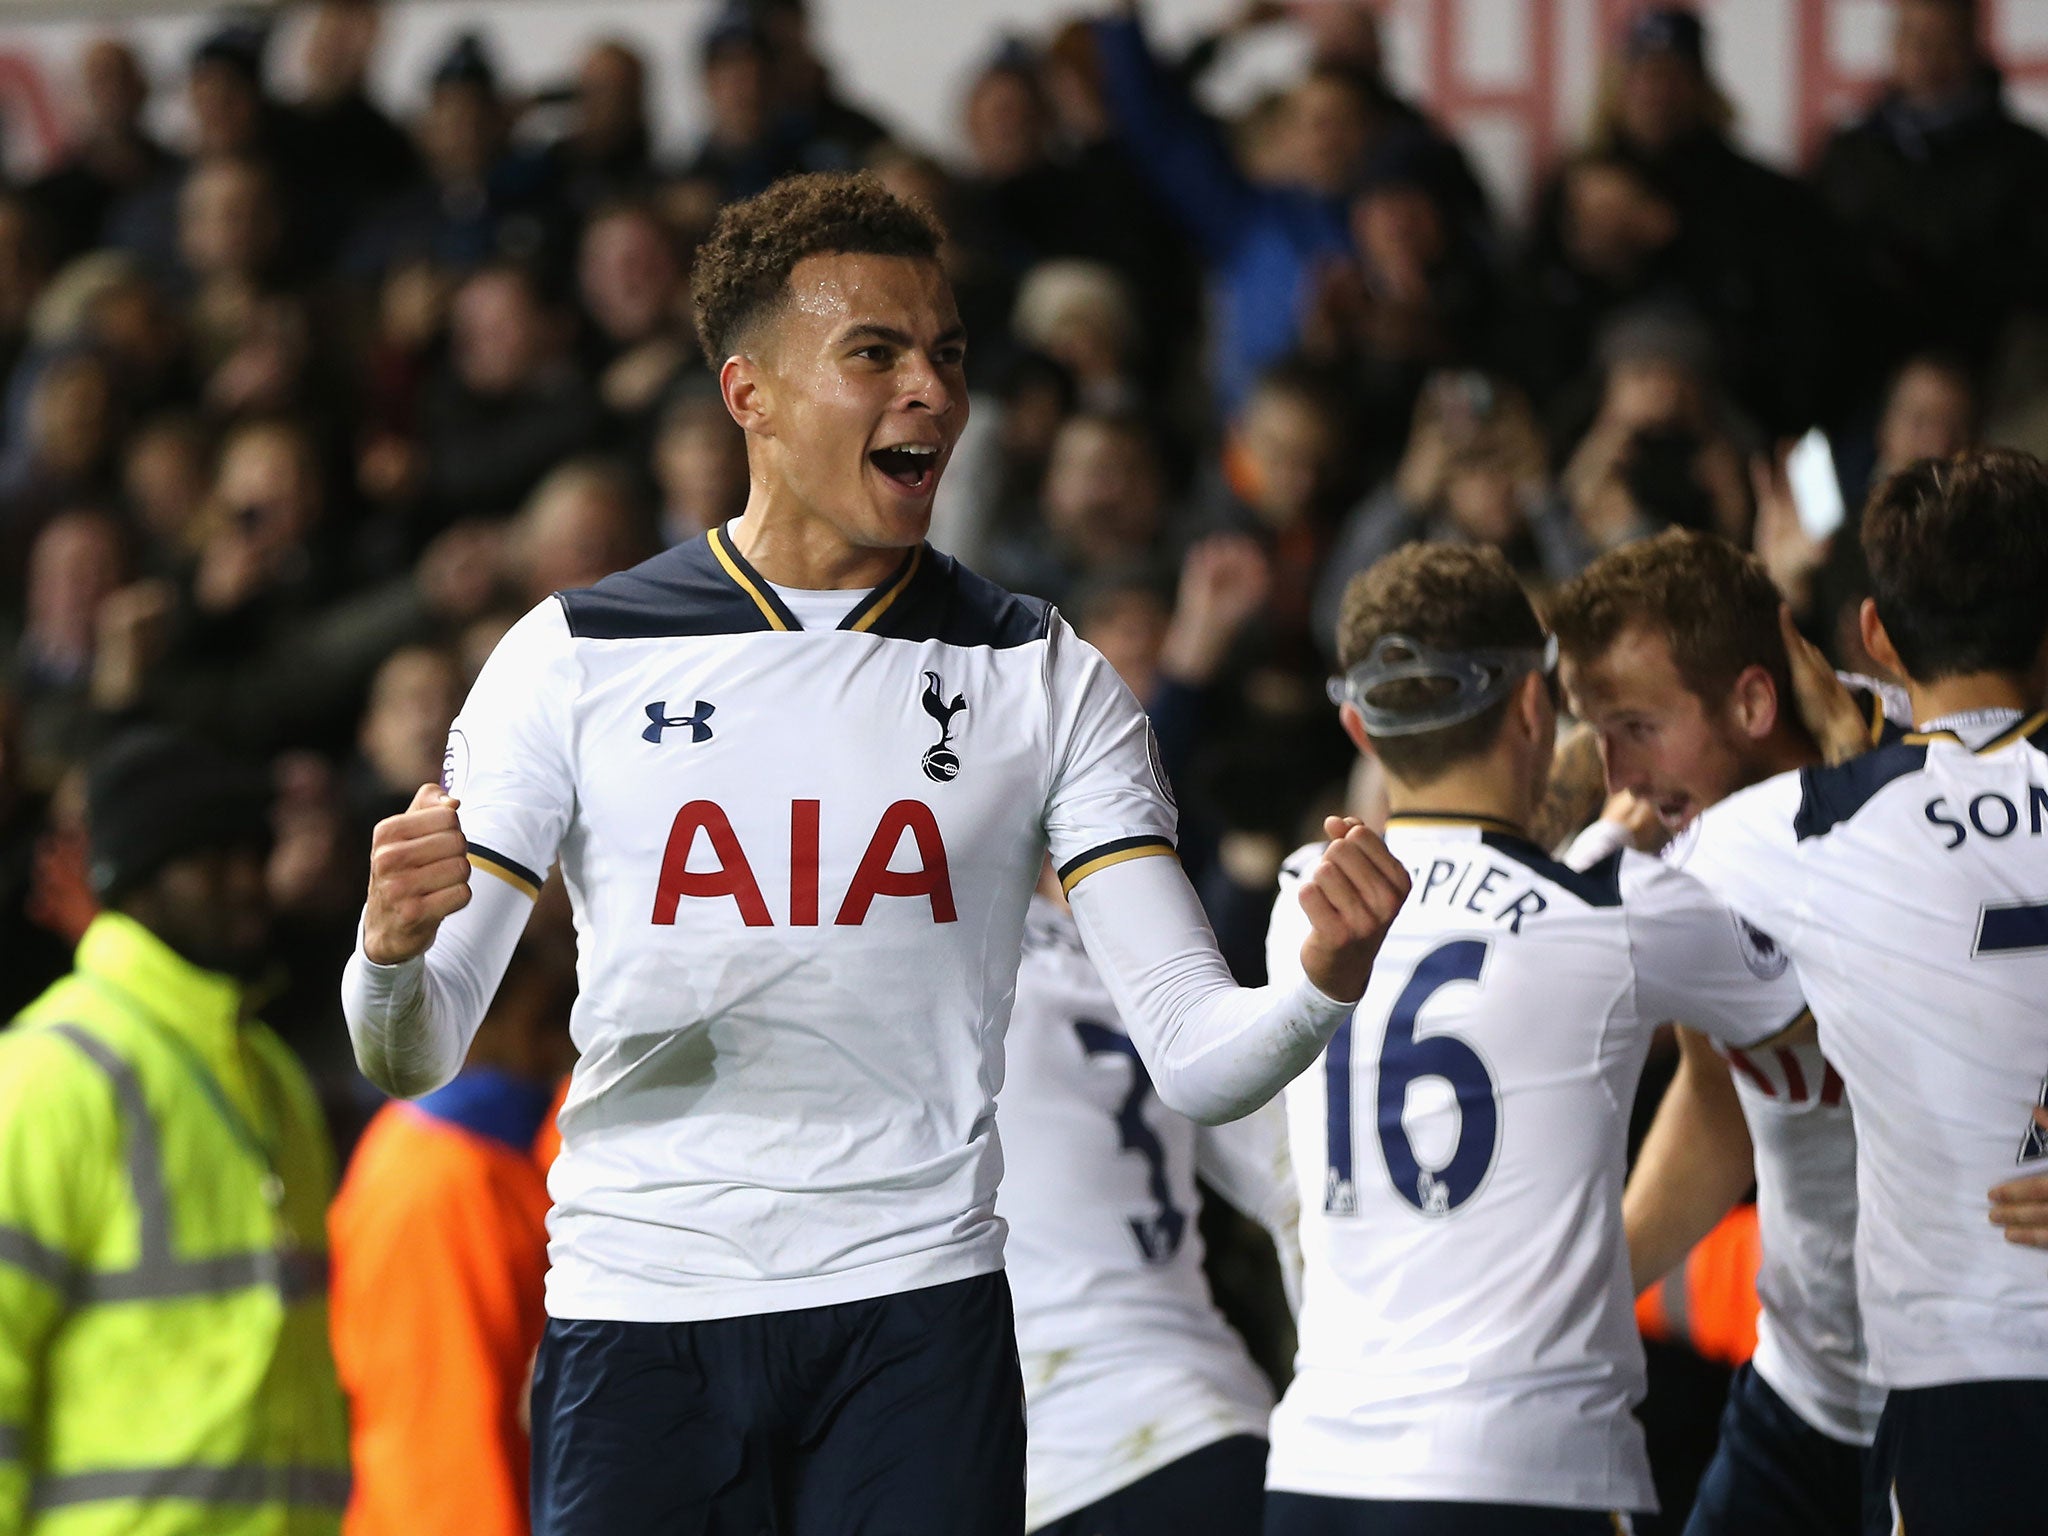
point(1774, 1474)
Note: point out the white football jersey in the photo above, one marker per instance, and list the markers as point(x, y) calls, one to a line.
point(1128, 1365)
point(799, 863)
point(1466, 1329)
point(1910, 888)
point(1809, 1333)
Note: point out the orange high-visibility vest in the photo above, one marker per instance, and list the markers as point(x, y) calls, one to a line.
point(439, 1245)
point(1710, 1302)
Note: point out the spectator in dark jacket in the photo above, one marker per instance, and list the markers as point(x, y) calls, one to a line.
point(1944, 195)
point(113, 157)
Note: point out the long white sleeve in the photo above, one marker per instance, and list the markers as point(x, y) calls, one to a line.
point(1216, 1051)
point(411, 1023)
point(508, 766)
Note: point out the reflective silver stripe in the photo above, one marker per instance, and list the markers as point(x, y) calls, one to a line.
point(294, 1273)
point(317, 1487)
point(12, 1442)
point(23, 1251)
point(160, 1275)
point(145, 1158)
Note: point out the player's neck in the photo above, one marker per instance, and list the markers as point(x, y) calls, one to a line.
point(1788, 747)
point(1482, 791)
point(1968, 692)
point(793, 546)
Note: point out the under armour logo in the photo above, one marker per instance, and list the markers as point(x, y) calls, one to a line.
point(941, 762)
point(657, 721)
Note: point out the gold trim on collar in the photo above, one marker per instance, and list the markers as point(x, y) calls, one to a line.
point(866, 621)
point(727, 558)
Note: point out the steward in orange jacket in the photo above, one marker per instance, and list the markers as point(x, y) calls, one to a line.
point(439, 1245)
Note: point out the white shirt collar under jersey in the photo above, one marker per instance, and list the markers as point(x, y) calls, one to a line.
point(820, 609)
point(1973, 727)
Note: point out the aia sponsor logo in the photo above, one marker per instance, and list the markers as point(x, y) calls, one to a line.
point(732, 877)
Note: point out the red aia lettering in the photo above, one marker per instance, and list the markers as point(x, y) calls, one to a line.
point(875, 877)
point(734, 876)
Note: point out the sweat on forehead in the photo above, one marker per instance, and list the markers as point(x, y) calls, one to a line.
point(743, 271)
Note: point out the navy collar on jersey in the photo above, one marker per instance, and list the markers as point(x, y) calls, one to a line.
point(705, 586)
point(1599, 886)
point(757, 587)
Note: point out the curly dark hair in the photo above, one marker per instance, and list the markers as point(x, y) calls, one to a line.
point(742, 270)
point(1958, 556)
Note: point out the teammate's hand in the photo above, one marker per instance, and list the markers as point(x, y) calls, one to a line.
point(1830, 712)
point(2019, 1207)
point(419, 874)
point(1351, 899)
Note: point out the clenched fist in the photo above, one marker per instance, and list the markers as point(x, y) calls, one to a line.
point(419, 874)
point(1351, 899)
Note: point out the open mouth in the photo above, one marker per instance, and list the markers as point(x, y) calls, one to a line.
point(914, 466)
point(1675, 812)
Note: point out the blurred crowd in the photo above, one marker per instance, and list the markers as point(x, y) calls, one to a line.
point(302, 412)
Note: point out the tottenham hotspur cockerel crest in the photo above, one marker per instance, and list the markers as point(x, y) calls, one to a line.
point(941, 762)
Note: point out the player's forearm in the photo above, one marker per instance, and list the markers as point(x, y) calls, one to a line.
point(1695, 1163)
point(1216, 1051)
point(411, 1023)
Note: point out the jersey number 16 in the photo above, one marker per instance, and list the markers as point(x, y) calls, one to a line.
point(1404, 1059)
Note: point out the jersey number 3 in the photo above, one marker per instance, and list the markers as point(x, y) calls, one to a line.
point(1158, 1231)
point(1404, 1059)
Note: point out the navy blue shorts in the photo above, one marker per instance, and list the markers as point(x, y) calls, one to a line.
point(898, 1416)
point(1960, 1460)
point(1303, 1514)
point(1216, 1491)
point(1774, 1474)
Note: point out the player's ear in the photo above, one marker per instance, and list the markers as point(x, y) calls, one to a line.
point(744, 387)
point(1755, 701)
point(1354, 727)
point(1539, 713)
point(1876, 641)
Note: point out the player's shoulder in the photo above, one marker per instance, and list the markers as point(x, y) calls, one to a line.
point(1832, 795)
point(947, 602)
point(706, 586)
point(700, 587)
point(1597, 885)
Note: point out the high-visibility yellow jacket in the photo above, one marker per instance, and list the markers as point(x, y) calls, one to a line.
point(164, 1179)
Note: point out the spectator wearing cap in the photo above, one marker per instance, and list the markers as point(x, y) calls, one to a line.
point(740, 153)
point(1943, 193)
point(481, 197)
point(164, 1180)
